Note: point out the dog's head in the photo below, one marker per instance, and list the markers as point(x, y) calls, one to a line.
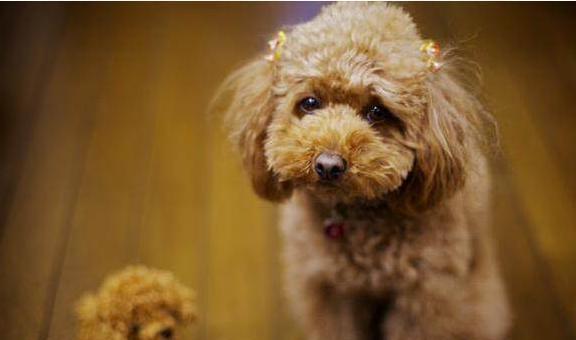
point(137, 303)
point(348, 108)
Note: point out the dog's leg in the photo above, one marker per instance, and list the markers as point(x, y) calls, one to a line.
point(449, 310)
point(326, 314)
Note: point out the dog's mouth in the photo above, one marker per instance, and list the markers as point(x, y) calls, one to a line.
point(331, 185)
point(339, 189)
point(321, 186)
point(352, 187)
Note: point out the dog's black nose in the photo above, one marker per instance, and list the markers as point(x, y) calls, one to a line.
point(329, 166)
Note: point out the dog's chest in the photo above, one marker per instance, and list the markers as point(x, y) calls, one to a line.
point(389, 254)
point(377, 254)
point(370, 252)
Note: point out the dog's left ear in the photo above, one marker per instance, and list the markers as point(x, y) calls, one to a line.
point(92, 325)
point(249, 110)
point(448, 132)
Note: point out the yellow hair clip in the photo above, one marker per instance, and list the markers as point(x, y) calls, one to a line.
point(431, 53)
point(275, 46)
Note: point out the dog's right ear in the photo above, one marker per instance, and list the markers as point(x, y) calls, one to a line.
point(87, 308)
point(248, 99)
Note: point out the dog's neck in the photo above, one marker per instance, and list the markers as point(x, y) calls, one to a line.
point(350, 211)
point(339, 220)
point(362, 210)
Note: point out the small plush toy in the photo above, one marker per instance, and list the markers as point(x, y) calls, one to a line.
point(137, 303)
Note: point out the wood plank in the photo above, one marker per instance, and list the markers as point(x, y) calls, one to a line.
point(544, 77)
point(546, 202)
point(106, 215)
point(173, 228)
point(536, 313)
point(35, 227)
point(558, 25)
point(548, 78)
point(243, 288)
point(240, 246)
point(29, 37)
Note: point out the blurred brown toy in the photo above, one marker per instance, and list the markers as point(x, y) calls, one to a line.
point(137, 303)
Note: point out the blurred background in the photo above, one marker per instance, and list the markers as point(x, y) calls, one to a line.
point(108, 158)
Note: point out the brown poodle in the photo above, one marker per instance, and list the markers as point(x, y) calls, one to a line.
point(137, 303)
point(374, 145)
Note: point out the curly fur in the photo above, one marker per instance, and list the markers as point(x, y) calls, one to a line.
point(416, 261)
point(137, 303)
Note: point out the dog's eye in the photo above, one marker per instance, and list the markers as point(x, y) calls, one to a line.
point(376, 113)
point(309, 104)
point(167, 333)
point(134, 331)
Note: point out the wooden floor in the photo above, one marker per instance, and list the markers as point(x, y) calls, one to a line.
point(107, 158)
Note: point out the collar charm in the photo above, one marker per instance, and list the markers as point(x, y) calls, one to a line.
point(334, 230)
point(334, 226)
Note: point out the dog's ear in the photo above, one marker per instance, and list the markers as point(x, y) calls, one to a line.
point(448, 132)
point(248, 95)
point(91, 324)
point(87, 308)
point(182, 303)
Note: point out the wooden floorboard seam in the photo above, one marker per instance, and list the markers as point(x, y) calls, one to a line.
point(58, 263)
point(86, 133)
point(146, 190)
point(204, 269)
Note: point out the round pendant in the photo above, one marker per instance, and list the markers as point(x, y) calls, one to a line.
point(334, 230)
